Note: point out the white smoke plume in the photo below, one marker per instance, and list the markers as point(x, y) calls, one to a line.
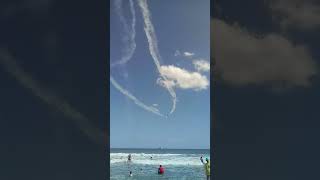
point(129, 49)
point(153, 48)
point(129, 33)
point(133, 98)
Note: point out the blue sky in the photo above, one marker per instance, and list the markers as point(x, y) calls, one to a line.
point(182, 30)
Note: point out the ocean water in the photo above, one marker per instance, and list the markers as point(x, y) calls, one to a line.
point(178, 163)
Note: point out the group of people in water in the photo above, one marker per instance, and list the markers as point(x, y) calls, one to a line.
point(161, 168)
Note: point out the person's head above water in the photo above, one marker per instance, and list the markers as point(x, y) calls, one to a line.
point(160, 166)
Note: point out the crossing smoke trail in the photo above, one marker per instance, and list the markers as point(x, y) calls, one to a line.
point(129, 33)
point(28, 82)
point(134, 99)
point(154, 51)
point(130, 46)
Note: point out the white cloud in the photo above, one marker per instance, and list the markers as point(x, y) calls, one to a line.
point(181, 78)
point(185, 54)
point(201, 65)
point(188, 54)
point(304, 14)
point(243, 58)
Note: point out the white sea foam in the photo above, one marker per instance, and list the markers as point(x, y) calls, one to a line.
point(157, 159)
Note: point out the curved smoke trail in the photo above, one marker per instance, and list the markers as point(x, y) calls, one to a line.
point(134, 99)
point(153, 48)
point(129, 33)
point(28, 82)
point(130, 46)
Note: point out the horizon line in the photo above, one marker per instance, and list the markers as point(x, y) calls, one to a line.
point(160, 148)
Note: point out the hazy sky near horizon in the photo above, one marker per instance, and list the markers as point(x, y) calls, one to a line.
point(142, 93)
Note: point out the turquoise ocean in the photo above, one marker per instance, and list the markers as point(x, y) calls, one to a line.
point(178, 163)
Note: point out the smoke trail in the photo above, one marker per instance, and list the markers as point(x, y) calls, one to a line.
point(153, 48)
point(130, 46)
point(129, 33)
point(28, 82)
point(134, 99)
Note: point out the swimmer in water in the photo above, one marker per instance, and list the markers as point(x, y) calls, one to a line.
point(129, 157)
point(161, 170)
point(130, 174)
